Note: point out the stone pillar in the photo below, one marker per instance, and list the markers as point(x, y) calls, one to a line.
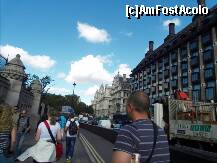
point(36, 90)
point(202, 90)
point(189, 72)
point(214, 32)
point(13, 94)
point(179, 69)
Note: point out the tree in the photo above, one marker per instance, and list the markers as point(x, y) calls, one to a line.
point(45, 81)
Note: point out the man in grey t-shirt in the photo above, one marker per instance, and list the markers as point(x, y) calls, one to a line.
point(138, 137)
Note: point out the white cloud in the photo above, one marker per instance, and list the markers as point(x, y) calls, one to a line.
point(123, 69)
point(89, 69)
point(92, 34)
point(61, 75)
point(177, 22)
point(59, 91)
point(128, 34)
point(34, 61)
point(91, 91)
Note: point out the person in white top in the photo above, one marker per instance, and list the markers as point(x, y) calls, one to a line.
point(72, 130)
point(44, 150)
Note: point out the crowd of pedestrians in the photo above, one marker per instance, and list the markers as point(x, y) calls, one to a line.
point(53, 129)
point(140, 141)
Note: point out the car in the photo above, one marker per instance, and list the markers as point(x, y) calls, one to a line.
point(105, 123)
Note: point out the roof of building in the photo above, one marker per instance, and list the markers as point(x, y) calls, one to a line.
point(16, 61)
point(199, 25)
point(14, 68)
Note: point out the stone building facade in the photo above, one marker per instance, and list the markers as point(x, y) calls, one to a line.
point(110, 100)
point(13, 90)
point(186, 61)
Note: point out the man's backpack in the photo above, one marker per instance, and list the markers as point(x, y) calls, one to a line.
point(73, 128)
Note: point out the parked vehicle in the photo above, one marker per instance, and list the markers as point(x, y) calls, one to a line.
point(84, 120)
point(105, 123)
point(188, 123)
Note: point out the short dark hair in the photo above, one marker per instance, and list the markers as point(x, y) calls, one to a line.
point(139, 100)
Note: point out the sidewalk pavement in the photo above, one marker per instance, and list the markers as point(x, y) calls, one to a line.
point(80, 155)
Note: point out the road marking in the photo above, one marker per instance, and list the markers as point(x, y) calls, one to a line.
point(96, 156)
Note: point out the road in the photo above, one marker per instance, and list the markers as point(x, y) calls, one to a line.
point(91, 148)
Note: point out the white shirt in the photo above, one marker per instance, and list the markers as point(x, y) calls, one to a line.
point(67, 125)
point(44, 131)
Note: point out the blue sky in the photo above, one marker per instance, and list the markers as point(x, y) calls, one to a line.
point(83, 41)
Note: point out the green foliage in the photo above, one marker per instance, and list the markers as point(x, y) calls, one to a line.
point(45, 81)
point(57, 101)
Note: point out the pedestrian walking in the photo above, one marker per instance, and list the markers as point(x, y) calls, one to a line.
point(23, 127)
point(44, 150)
point(72, 130)
point(7, 134)
point(142, 140)
point(62, 122)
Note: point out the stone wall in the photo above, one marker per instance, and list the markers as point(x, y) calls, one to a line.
point(4, 86)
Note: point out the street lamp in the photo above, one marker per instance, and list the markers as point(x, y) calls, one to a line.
point(74, 87)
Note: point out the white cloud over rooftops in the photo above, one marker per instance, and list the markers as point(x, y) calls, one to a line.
point(36, 61)
point(92, 34)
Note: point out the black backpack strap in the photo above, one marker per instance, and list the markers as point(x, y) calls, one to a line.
point(51, 135)
point(154, 142)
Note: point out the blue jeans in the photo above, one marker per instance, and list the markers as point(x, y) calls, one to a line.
point(4, 159)
point(20, 139)
point(70, 143)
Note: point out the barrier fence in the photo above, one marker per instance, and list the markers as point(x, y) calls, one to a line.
point(107, 134)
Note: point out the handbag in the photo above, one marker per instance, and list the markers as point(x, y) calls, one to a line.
point(59, 146)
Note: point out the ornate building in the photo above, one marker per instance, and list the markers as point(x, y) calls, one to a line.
point(14, 92)
point(110, 100)
point(186, 60)
point(100, 103)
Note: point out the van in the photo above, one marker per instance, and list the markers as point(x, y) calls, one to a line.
point(105, 123)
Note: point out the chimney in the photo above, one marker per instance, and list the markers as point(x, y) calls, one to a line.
point(202, 3)
point(172, 29)
point(151, 46)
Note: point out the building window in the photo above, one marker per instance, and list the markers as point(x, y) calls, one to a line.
point(153, 89)
point(160, 65)
point(166, 86)
point(196, 92)
point(148, 80)
point(174, 84)
point(194, 45)
point(184, 66)
point(174, 70)
point(184, 74)
point(153, 68)
point(195, 77)
point(148, 71)
point(184, 81)
point(209, 72)
point(210, 91)
point(154, 78)
point(206, 39)
point(160, 76)
point(174, 57)
point(183, 53)
point(194, 54)
point(166, 73)
point(194, 61)
point(208, 56)
point(166, 61)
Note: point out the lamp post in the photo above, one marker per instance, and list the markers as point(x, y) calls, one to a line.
point(74, 87)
